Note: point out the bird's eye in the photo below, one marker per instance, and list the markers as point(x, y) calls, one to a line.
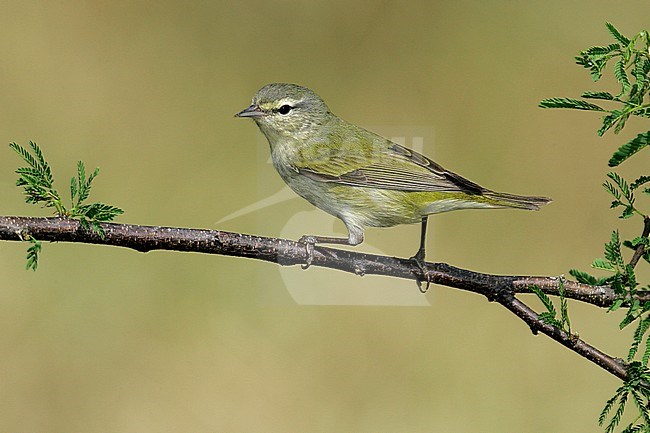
point(285, 109)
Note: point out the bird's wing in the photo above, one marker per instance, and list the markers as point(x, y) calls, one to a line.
point(392, 167)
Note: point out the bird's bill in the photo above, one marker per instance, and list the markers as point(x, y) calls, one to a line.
point(252, 111)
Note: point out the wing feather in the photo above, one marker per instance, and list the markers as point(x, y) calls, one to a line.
point(391, 167)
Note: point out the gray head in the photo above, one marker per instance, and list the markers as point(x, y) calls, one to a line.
point(286, 109)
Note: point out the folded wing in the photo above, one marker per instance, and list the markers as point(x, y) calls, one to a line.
point(391, 167)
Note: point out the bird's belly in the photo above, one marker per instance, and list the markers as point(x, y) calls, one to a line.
point(364, 207)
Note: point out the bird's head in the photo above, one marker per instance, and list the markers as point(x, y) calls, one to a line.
point(282, 109)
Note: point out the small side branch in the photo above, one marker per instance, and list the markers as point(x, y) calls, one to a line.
point(616, 366)
point(640, 249)
point(498, 288)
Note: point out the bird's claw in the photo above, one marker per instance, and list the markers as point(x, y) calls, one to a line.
point(418, 260)
point(309, 242)
point(427, 279)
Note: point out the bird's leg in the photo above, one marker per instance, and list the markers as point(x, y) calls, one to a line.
point(355, 237)
point(418, 258)
point(310, 241)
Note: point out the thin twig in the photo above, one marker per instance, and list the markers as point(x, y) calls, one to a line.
point(640, 249)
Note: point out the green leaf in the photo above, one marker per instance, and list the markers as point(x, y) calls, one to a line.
point(613, 190)
point(616, 305)
point(37, 179)
point(45, 167)
point(610, 120)
point(564, 307)
point(646, 352)
point(38, 164)
point(620, 190)
point(99, 211)
point(635, 97)
point(24, 154)
point(627, 212)
point(631, 277)
point(617, 35)
point(599, 95)
point(73, 188)
point(639, 332)
point(30, 172)
point(641, 69)
point(546, 317)
point(32, 254)
point(622, 121)
point(630, 148)
point(594, 64)
point(84, 184)
point(631, 315)
point(622, 186)
point(575, 104)
point(603, 265)
point(639, 240)
point(641, 180)
point(613, 250)
point(621, 75)
point(616, 283)
point(585, 278)
point(548, 304)
point(600, 51)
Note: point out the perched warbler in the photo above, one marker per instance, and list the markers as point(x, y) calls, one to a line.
point(356, 175)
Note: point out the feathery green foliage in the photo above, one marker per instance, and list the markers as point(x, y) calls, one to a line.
point(623, 195)
point(606, 96)
point(36, 179)
point(576, 104)
point(32, 254)
point(37, 182)
point(550, 316)
point(630, 148)
point(635, 387)
point(631, 70)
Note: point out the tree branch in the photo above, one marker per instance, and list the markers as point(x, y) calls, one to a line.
point(498, 288)
point(640, 249)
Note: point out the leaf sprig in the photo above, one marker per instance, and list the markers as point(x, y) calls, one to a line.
point(631, 58)
point(550, 316)
point(636, 388)
point(37, 178)
point(623, 193)
point(33, 254)
point(37, 182)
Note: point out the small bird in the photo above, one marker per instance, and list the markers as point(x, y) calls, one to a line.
point(358, 176)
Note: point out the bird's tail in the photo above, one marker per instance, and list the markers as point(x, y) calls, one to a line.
point(502, 199)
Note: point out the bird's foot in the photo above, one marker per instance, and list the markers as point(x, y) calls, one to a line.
point(418, 260)
point(309, 242)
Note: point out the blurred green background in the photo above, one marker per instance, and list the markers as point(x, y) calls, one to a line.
point(105, 339)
